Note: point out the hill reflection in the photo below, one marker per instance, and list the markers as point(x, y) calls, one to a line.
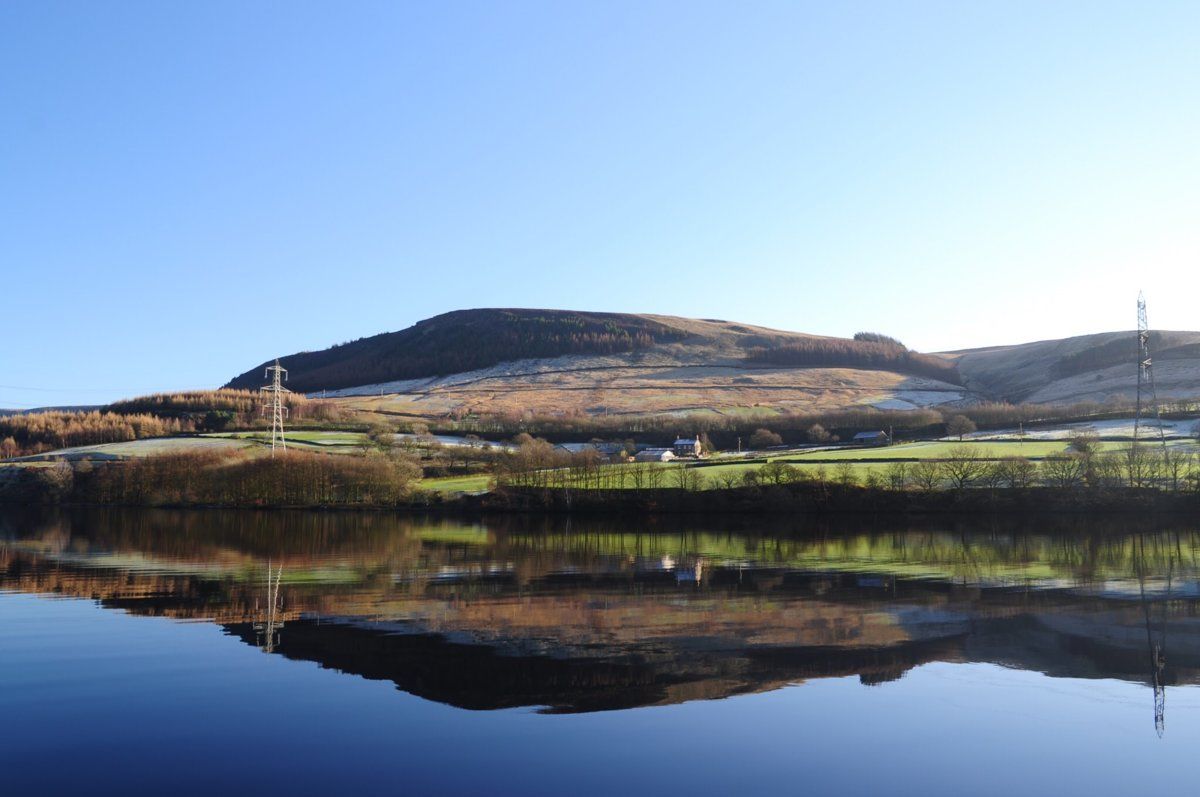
point(591, 617)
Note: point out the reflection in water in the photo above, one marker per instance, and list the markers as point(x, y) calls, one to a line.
point(1156, 644)
point(607, 616)
point(267, 630)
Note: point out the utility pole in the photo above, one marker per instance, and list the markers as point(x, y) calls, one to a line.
point(275, 392)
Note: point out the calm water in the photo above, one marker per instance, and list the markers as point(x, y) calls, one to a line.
point(148, 652)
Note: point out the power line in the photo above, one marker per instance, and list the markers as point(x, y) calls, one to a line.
point(81, 389)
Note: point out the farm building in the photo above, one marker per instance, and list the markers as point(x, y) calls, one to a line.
point(612, 451)
point(654, 455)
point(871, 439)
point(575, 448)
point(687, 447)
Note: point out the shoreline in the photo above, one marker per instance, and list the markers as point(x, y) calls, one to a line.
point(789, 501)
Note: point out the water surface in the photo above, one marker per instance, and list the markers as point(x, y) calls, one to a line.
point(154, 652)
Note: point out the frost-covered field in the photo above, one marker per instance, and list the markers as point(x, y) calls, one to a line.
point(915, 399)
point(1116, 427)
point(138, 448)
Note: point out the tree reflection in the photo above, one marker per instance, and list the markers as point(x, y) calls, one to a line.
point(600, 615)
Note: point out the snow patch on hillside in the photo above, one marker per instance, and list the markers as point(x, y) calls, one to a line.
point(917, 399)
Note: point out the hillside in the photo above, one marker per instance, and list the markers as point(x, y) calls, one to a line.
point(563, 362)
point(466, 340)
point(1099, 367)
point(518, 362)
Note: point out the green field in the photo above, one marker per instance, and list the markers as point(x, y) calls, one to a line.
point(456, 484)
point(305, 439)
point(860, 462)
point(712, 474)
point(938, 449)
point(836, 463)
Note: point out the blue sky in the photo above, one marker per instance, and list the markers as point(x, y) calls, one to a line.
point(189, 189)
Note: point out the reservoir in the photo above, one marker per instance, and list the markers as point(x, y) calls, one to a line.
point(191, 652)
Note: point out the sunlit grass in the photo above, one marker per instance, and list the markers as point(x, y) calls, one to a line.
point(456, 484)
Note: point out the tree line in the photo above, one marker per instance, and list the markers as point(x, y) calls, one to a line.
point(213, 410)
point(1086, 467)
point(157, 415)
point(878, 337)
point(872, 352)
point(793, 428)
point(33, 433)
point(212, 478)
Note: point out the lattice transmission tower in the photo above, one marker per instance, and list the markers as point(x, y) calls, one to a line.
point(1148, 411)
point(275, 393)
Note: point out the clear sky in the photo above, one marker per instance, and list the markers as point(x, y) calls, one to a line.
point(187, 189)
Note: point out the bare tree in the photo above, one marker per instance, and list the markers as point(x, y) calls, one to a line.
point(1176, 464)
point(654, 476)
point(1064, 471)
point(1139, 466)
point(1085, 443)
point(898, 475)
point(777, 472)
point(1086, 446)
point(686, 478)
point(846, 474)
point(637, 472)
point(963, 466)
point(1108, 471)
point(993, 476)
point(1015, 472)
point(729, 479)
point(959, 426)
point(927, 474)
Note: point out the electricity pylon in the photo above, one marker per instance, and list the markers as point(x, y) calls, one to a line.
point(1147, 394)
point(275, 392)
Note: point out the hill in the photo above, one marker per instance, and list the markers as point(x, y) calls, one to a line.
point(466, 340)
point(516, 362)
point(1099, 367)
point(562, 362)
